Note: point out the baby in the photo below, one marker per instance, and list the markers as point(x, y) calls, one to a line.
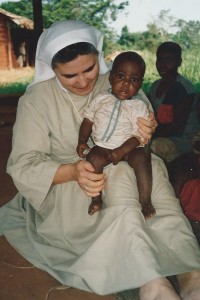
point(111, 118)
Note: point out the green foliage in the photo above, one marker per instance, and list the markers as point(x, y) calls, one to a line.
point(190, 67)
point(101, 13)
point(188, 34)
point(126, 39)
point(98, 13)
point(13, 88)
point(21, 8)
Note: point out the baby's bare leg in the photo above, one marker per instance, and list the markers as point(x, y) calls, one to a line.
point(97, 157)
point(95, 205)
point(189, 284)
point(140, 160)
point(158, 289)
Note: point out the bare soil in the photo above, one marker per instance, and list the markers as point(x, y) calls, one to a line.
point(16, 75)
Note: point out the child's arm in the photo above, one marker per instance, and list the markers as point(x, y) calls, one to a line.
point(84, 134)
point(117, 154)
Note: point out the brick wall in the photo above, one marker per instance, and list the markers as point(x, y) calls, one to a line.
point(5, 61)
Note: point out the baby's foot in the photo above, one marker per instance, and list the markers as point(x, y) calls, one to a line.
point(95, 206)
point(148, 210)
point(190, 285)
point(158, 289)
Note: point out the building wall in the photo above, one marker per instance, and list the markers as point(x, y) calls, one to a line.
point(7, 56)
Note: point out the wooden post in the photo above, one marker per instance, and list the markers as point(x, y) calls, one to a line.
point(10, 62)
point(38, 21)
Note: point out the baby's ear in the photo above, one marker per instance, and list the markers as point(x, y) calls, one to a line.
point(110, 77)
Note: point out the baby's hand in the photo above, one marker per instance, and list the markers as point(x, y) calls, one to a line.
point(81, 149)
point(115, 156)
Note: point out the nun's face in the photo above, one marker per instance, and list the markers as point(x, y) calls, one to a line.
point(79, 75)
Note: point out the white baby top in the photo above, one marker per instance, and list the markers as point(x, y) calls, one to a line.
point(115, 121)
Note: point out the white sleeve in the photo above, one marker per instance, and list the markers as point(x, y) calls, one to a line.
point(30, 164)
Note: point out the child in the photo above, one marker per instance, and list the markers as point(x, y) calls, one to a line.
point(175, 104)
point(111, 118)
point(184, 174)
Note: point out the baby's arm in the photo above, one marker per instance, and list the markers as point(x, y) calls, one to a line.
point(84, 134)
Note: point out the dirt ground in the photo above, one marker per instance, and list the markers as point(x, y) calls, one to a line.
point(15, 75)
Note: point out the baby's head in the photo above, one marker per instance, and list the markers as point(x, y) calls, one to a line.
point(127, 75)
point(168, 59)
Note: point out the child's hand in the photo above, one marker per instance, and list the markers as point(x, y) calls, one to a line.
point(81, 148)
point(115, 156)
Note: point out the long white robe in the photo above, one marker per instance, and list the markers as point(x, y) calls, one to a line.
point(111, 251)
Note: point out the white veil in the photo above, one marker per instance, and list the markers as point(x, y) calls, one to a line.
point(60, 35)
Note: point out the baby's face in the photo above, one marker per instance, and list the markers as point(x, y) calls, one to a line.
point(126, 79)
